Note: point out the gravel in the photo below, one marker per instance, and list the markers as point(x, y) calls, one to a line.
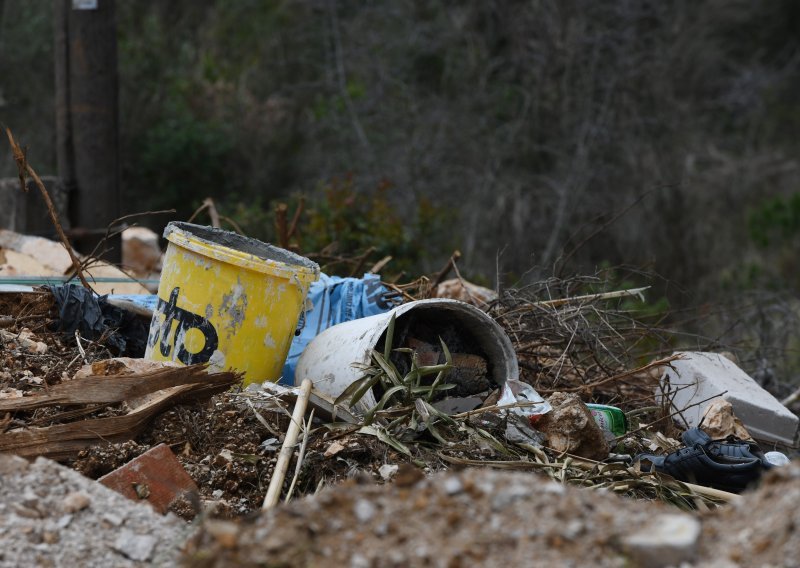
point(51, 515)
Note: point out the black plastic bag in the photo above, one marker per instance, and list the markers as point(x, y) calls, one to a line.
point(124, 333)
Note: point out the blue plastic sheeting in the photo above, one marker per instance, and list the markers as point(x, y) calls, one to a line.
point(148, 301)
point(335, 300)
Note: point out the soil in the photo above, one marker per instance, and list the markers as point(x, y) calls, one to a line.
point(761, 530)
point(230, 454)
point(484, 517)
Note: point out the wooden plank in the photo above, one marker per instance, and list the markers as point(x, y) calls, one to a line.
point(63, 441)
point(115, 388)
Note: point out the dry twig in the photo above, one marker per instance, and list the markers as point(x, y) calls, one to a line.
point(26, 170)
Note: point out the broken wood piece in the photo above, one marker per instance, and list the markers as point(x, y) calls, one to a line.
point(63, 441)
point(117, 388)
point(279, 473)
point(156, 477)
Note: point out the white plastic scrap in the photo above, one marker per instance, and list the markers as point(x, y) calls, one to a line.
point(530, 402)
point(776, 458)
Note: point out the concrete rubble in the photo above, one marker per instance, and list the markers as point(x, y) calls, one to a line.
point(485, 517)
point(696, 378)
point(51, 515)
point(141, 252)
point(570, 427)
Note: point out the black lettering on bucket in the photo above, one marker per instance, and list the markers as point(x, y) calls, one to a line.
point(186, 320)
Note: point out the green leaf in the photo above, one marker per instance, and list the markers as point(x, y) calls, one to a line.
point(351, 389)
point(386, 438)
point(388, 368)
point(436, 412)
point(425, 371)
point(447, 357)
point(387, 346)
point(432, 388)
point(370, 415)
point(364, 389)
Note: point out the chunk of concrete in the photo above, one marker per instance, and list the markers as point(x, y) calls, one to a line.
point(699, 376)
point(570, 427)
point(668, 540)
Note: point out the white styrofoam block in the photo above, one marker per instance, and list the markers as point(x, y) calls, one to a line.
point(698, 376)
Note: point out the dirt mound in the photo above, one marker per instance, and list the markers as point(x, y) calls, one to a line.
point(763, 529)
point(486, 517)
point(474, 517)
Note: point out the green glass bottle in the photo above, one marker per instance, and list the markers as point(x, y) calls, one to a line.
point(610, 419)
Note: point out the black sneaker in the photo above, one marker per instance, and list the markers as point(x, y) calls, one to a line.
point(729, 466)
point(730, 447)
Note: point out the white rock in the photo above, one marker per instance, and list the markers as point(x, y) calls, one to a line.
point(138, 547)
point(388, 471)
point(113, 519)
point(76, 501)
point(453, 485)
point(364, 510)
point(668, 540)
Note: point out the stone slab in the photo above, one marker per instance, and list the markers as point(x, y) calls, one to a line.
point(698, 376)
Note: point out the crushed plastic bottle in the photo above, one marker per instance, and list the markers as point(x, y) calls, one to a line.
point(776, 458)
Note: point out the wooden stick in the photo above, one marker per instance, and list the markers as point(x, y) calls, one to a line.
point(446, 270)
point(296, 218)
point(281, 228)
point(594, 297)
point(276, 483)
point(652, 365)
point(212, 212)
point(26, 169)
point(791, 399)
point(301, 454)
point(713, 493)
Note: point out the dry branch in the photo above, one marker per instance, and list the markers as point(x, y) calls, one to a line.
point(26, 170)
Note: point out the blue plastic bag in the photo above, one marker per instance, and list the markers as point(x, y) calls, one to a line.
point(335, 300)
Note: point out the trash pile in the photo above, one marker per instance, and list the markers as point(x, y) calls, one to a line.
point(250, 378)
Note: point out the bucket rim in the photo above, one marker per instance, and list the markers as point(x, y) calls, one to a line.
point(179, 233)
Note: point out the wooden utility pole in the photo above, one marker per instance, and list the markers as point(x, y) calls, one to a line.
point(87, 116)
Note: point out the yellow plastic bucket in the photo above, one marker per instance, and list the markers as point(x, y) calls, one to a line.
point(227, 300)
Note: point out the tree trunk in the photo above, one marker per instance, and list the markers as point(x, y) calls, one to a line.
point(87, 118)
